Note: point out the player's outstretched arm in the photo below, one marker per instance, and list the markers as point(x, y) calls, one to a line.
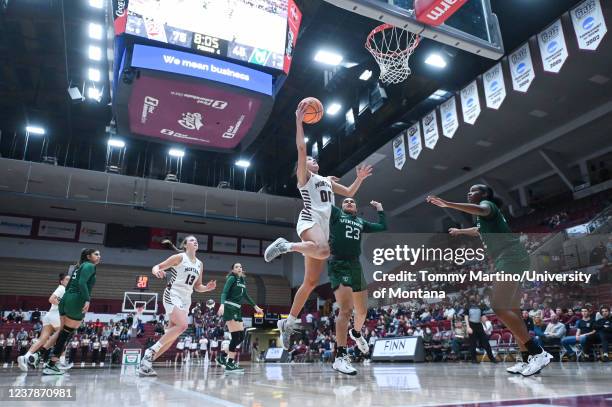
point(473, 209)
point(381, 226)
point(301, 170)
point(201, 288)
point(159, 270)
point(363, 172)
point(474, 232)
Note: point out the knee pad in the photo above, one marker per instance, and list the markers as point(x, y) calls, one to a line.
point(235, 341)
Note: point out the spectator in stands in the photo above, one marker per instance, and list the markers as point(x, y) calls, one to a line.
point(37, 328)
point(604, 272)
point(555, 330)
point(35, 317)
point(74, 345)
point(11, 316)
point(459, 338)
point(140, 329)
point(8, 350)
point(103, 349)
point(603, 326)
point(598, 253)
point(2, 349)
point(159, 328)
point(570, 319)
point(95, 346)
point(585, 329)
point(528, 321)
point(538, 326)
point(85, 342)
point(20, 317)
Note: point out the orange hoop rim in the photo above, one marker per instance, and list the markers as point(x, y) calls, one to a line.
point(376, 53)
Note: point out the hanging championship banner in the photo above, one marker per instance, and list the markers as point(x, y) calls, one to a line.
point(553, 48)
point(470, 104)
point(448, 114)
point(415, 146)
point(494, 87)
point(399, 151)
point(589, 24)
point(521, 68)
point(430, 130)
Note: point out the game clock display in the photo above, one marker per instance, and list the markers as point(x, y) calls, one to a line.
point(142, 282)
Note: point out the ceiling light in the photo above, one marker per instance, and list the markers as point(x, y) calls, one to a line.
point(327, 57)
point(333, 109)
point(94, 74)
point(113, 142)
point(35, 130)
point(326, 140)
point(93, 93)
point(175, 152)
point(96, 3)
point(95, 53)
point(436, 60)
point(306, 139)
point(365, 75)
point(95, 31)
point(243, 163)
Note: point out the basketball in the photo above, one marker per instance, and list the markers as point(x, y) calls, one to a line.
point(314, 110)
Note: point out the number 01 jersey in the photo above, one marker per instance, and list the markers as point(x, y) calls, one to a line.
point(346, 231)
point(318, 198)
point(183, 277)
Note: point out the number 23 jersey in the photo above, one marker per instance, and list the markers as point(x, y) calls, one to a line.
point(318, 198)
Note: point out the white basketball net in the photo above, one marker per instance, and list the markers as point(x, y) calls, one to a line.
point(391, 47)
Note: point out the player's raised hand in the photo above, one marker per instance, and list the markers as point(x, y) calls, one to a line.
point(299, 113)
point(211, 285)
point(364, 171)
point(377, 205)
point(434, 200)
point(258, 309)
point(159, 273)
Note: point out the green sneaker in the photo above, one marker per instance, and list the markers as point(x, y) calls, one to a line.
point(52, 370)
point(221, 360)
point(232, 367)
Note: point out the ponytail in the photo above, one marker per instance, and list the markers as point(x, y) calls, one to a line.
point(171, 245)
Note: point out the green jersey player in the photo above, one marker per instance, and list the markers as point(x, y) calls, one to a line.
point(346, 275)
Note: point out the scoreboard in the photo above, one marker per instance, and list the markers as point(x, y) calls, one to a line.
point(260, 32)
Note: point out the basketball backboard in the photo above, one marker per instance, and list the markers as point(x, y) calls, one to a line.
point(474, 28)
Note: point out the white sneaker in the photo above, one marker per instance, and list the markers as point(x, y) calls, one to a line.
point(517, 368)
point(147, 359)
point(65, 366)
point(145, 371)
point(537, 363)
point(278, 247)
point(343, 365)
point(361, 343)
point(22, 363)
point(286, 329)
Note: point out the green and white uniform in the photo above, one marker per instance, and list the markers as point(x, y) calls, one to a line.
point(502, 245)
point(78, 291)
point(346, 230)
point(234, 292)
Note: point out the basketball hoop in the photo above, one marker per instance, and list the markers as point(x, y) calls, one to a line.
point(391, 47)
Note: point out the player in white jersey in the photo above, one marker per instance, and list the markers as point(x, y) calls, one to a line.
point(313, 224)
point(184, 276)
point(51, 323)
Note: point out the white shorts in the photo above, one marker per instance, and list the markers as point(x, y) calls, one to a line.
point(172, 301)
point(52, 318)
point(315, 219)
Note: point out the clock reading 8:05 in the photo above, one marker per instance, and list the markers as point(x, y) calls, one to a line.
point(206, 41)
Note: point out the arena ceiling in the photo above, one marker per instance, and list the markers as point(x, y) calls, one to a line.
point(42, 51)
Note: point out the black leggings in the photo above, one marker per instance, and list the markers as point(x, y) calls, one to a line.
point(7, 354)
point(479, 335)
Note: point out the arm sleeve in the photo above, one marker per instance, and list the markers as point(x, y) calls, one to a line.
point(87, 272)
point(226, 288)
point(59, 291)
point(369, 227)
point(335, 212)
point(248, 298)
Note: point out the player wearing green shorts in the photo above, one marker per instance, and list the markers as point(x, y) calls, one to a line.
point(234, 293)
point(509, 256)
point(74, 305)
point(346, 275)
